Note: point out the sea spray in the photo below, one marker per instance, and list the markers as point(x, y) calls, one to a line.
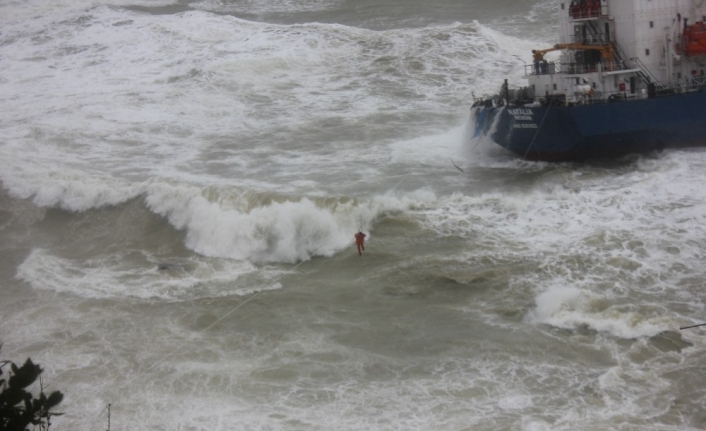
point(279, 229)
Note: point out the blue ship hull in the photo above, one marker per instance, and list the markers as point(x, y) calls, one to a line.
point(563, 133)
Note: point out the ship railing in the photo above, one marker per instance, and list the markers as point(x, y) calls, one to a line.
point(598, 97)
point(603, 66)
point(541, 68)
point(553, 67)
point(660, 90)
point(578, 68)
point(599, 39)
point(591, 97)
point(585, 9)
point(680, 85)
point(525, 96)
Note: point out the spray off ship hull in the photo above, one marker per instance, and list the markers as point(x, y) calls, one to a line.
point(562, 133)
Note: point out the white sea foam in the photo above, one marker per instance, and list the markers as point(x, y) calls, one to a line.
point(254, 7)
point(223, 221)
point(604, 253)
point(550, 210)
point(33, 10)
point(436, 149)
point(280, 230)
point(83, 151)
point(132, 96)
point(273, 143)
point(571, 308)
point(139, 276)
point(68, 189)
point(479, 149)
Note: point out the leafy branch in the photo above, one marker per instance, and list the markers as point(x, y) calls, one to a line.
point(19, 409)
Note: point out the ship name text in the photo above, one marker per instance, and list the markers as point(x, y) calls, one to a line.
point(519, 112)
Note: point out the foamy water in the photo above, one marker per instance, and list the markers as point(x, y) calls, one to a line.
point(182, 183)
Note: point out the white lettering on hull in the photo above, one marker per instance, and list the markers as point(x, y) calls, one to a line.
point(516, 112)
point(521, 114)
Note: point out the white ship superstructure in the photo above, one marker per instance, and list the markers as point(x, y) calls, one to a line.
point(621, 49)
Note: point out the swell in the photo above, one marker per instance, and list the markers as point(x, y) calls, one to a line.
point(228, 221)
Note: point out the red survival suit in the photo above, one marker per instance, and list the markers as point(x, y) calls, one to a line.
point(360, 242)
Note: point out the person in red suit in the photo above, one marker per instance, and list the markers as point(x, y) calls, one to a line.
point(360, 242)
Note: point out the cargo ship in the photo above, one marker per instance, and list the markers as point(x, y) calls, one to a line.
point(627, 76)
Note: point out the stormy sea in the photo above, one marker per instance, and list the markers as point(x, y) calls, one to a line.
point(181, 183)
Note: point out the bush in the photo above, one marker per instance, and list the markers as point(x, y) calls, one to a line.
point(18, 408)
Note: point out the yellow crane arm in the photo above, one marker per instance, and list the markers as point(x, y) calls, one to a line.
point(607, 52)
